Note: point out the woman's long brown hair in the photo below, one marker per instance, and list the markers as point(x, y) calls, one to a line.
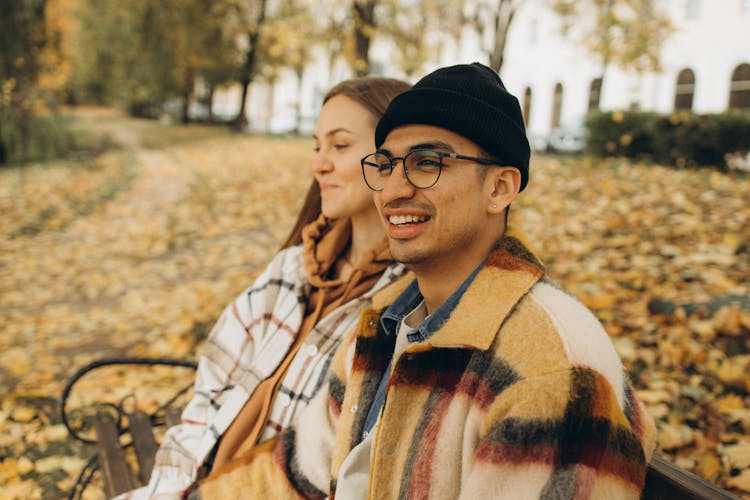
point(372, 92)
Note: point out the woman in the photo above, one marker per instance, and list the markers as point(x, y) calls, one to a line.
point(270, 349)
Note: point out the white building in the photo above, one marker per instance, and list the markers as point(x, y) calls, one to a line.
point(703, 62)
point(705, 68)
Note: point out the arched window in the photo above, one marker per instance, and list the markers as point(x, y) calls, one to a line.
point(527, 105)
point(739, 90)
point(684, 90)
point(557, 105)
point(595, 93)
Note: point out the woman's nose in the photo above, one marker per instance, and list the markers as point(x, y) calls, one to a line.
point(322, 162)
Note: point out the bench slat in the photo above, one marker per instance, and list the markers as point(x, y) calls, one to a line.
point(666, 481)
point(117, 475)
point(144, 444)
point(173, 416)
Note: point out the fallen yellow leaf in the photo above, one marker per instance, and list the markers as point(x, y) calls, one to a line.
point(671, 436)
point(737, 455)
point(23, 414)
point(709, 467)
point(729, 403)
point(741, 481)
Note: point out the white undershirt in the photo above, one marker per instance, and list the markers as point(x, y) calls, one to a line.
point(353, 480)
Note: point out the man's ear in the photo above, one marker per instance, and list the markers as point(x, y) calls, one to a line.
point(502, 185)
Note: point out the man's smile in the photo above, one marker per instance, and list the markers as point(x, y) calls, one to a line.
point(400, 220)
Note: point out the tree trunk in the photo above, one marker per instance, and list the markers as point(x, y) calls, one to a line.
point(187, 94)
point(248, 69)
point(240, 121)
point(364, 25)
point(506, 9)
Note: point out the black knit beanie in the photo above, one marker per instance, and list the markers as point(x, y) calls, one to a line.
point(470, 100)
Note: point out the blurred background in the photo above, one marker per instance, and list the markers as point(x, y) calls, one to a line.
point(154, 155)
point(264, 65)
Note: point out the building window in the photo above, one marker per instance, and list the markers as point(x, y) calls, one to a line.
point(684, 90)
point(693, 9)
point(739, 89)
point(557, 105)
point(527, 105)
point(595, 93)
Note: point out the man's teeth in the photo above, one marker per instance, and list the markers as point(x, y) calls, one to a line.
point(406, 219)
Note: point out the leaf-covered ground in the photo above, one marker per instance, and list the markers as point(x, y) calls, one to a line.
point(136, 250)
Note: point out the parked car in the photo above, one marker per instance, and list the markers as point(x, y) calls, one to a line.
point(567, 139)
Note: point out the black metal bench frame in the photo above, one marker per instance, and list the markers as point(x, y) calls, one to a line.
point(108, 425)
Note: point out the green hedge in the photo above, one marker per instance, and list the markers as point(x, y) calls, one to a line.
point(683, 139)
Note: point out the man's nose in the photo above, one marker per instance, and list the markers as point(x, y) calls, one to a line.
point(397, 186)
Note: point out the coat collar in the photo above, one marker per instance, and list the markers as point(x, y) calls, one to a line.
point(506, 276)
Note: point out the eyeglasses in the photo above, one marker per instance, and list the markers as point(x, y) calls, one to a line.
point(422, 167)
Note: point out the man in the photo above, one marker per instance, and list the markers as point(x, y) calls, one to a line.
point(480, 378)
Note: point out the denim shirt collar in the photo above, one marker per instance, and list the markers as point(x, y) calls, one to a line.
point(410, 299)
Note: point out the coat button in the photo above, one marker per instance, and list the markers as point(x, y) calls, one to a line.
point(353, 409)
point(311, 350)
point(372, 323)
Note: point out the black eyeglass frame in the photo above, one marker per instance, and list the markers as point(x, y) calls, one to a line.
point(440, 156)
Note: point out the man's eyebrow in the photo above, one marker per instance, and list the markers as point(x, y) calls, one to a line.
point(433, 145)
point(423, 145)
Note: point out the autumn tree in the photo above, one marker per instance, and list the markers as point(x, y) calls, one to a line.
point(288, 40)
point(142, 54)
point(247, 19)
point(628, 34)
point(220, 64)
point(492, 19)
point(125, 55)
point(349, 28)
point(418, 32)
point(204, 48)
point(34, 74)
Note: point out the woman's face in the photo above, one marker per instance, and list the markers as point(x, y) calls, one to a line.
point(344, 134)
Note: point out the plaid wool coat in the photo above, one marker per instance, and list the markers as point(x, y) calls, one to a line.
point(520, 394)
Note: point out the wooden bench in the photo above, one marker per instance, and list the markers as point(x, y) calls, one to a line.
point(666, 481)
point(118, 478)
point(107, 419)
